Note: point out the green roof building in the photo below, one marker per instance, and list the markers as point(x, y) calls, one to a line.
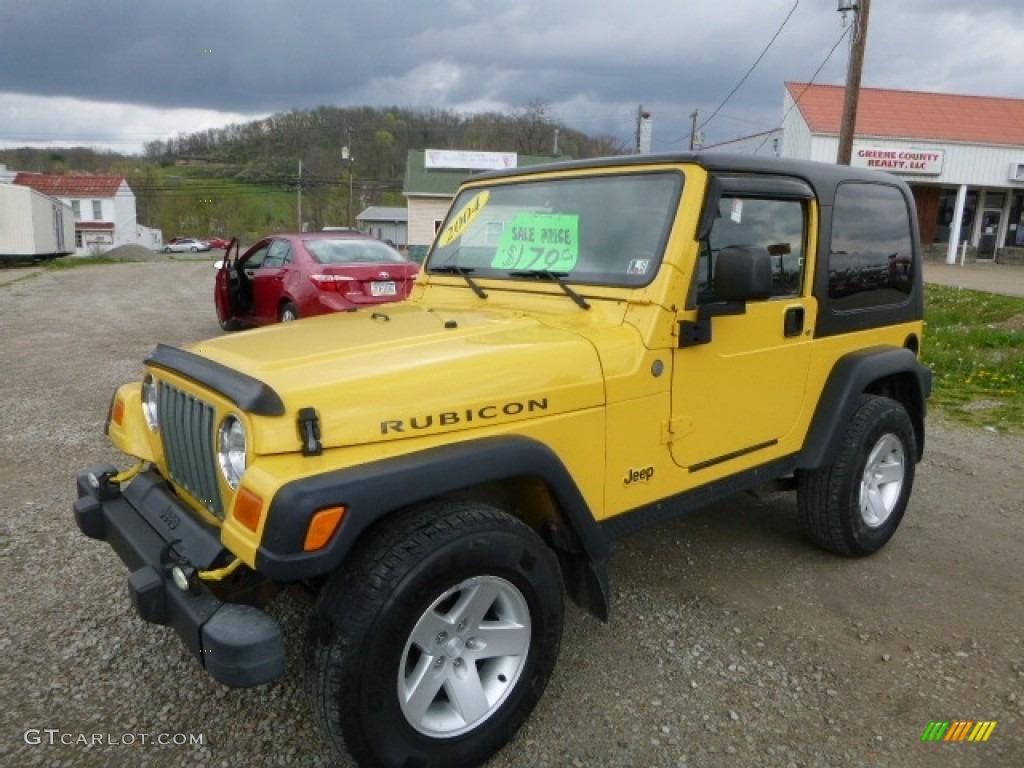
point(432, 176)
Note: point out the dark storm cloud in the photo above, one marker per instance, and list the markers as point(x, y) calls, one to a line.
point(592, 61)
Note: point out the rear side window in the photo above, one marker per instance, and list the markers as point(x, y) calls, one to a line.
point(871, 255)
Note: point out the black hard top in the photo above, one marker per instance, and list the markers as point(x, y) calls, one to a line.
point(823, 177)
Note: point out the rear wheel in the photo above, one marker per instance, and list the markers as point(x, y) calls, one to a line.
point(853, 506)
point(289, 312)
point(435, 645)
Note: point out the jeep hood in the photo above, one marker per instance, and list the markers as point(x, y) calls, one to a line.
point(405, 371)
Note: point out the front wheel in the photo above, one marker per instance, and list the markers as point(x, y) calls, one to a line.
point(289, 312)
point(854, 505)
point(435, 645)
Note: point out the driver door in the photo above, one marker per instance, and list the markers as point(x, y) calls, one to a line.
point(738, 395)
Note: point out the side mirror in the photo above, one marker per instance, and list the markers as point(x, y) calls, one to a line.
point(743, 273)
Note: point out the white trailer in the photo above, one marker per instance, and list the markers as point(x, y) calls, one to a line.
point(34, 226)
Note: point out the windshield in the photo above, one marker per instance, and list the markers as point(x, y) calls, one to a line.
point(598, 230)
point(351, 251)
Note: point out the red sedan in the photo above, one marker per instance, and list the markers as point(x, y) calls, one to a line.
point(285, 277)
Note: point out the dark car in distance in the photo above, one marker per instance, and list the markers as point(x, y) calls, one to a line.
point(284, 277)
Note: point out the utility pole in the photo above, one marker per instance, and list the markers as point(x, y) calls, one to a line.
point(348, 159)
point(859, 41)
point(644, 130)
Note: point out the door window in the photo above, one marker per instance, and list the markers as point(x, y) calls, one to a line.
point(776, 227)
point(279, 254)
point(255, 260)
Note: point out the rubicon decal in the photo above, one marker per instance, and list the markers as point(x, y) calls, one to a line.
point(446, 419)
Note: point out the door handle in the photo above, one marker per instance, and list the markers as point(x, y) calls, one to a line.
point(793, 324)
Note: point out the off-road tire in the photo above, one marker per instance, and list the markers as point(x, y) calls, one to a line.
point(373, 618)
point(853, 506)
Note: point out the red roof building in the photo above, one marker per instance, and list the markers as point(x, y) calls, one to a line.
point(962, 155)
point(71, 186)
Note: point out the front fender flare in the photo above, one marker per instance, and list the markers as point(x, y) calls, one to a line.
point(374, 490)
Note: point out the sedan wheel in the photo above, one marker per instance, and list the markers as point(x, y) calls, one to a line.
point(289, 312)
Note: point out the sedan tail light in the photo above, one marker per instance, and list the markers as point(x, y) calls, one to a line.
point(331, 282)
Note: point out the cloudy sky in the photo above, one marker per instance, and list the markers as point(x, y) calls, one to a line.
point(115, 74)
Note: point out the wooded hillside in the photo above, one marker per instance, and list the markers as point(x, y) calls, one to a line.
point(244, 179)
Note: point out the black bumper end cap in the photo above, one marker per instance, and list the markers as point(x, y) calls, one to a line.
point(146, 588)
point(89, 516)
point(242, 646)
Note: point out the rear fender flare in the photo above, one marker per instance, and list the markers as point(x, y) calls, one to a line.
point(857, 373)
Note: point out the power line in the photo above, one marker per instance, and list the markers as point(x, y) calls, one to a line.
point(810, 82)
point(743, 138)
point(743, 79)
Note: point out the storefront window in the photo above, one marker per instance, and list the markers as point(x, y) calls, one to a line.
point(1015, 229)
point(947, 209)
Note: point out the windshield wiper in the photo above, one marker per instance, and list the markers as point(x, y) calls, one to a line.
point(555, 277)
point(464, 272)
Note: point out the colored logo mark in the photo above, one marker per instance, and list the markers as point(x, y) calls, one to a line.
point(958, 730)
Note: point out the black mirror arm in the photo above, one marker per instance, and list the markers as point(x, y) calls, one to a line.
point(693, 333)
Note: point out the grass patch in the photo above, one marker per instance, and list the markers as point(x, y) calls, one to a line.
point(80, 261)
point(974, 343)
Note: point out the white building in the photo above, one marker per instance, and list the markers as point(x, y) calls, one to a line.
point(104, 210)
point(33, 226)
point(963, 157)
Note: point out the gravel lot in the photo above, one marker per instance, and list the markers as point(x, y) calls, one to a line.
point(731, 641)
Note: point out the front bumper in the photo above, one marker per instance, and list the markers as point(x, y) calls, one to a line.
point(151, 531)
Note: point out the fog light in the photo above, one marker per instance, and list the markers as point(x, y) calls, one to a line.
point(184, 577)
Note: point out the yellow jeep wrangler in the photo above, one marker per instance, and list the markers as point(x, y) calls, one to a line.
point(591, 348)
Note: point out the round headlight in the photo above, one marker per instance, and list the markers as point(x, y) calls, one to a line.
point(231, 450)
point(149, 402)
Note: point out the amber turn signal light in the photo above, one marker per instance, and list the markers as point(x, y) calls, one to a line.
point(117, 412)
point(248, 508)
point(322, 528)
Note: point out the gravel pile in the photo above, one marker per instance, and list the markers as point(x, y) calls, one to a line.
point(731, 643)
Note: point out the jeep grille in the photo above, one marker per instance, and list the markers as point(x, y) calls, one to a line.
point(187, 427)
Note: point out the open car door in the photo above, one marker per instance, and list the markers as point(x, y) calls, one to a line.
point(226, 290)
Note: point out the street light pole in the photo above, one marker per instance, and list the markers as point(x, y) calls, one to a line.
point(860, 9)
